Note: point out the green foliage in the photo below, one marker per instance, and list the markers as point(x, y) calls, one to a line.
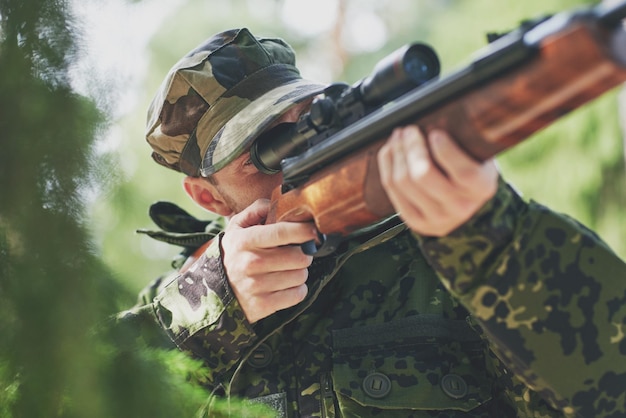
point(61, 355)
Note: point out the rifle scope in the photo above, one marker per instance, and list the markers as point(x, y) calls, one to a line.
point(340, 105)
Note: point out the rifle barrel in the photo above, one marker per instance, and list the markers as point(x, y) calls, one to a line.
point(510, 54)
point(523, 82)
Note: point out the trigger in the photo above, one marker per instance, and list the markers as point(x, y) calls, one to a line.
point(327, 245)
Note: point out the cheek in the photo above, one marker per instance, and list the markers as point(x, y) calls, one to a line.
point(260, 186)
point(268, 183)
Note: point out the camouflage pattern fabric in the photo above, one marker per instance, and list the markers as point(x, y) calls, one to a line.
point(178, 227)
point(195, 121)
point(519, 313)
point(550, 295)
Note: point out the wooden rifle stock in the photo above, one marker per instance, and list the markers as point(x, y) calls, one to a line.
point(573, 61)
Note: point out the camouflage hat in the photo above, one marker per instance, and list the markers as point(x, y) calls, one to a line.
point(218, 98)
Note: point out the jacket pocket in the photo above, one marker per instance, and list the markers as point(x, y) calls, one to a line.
point(423, 363)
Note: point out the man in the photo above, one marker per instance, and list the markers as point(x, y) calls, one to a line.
point(477, 304)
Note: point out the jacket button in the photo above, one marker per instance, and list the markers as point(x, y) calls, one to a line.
point(376, 385)
point(454, 386)
point(260, 357)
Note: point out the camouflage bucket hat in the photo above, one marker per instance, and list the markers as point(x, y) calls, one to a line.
point(218, 98)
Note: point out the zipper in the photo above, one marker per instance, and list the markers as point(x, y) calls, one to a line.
point(328, 403)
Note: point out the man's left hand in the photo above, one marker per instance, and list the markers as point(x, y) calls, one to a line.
point(432, 183)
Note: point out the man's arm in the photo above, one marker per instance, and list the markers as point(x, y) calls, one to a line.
point(199, 303)
point(247, 273)
point(549, 294)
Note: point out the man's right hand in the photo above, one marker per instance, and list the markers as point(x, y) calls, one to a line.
point(266, 269)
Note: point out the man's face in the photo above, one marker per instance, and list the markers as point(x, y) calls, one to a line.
point(240, 183)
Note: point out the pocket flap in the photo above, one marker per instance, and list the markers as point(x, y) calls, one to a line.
point(424, 367)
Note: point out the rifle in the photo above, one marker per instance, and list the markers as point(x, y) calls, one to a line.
point(519, 83)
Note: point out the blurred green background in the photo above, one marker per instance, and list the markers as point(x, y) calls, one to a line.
point(76, 177)
point(575, 166)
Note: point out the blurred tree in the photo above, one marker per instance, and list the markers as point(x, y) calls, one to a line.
point(61, 355)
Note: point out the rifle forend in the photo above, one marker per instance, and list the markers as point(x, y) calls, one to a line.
point(517, 85)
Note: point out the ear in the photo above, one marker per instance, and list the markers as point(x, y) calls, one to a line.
point(206, 195)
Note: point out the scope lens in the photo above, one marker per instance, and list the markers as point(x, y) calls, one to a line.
point(421, 64)
point(399, 72)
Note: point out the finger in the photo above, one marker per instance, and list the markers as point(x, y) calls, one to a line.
point(410, 160)
point(475, 180)
point(264, 305)
point(409, 211)
point(399, 165)
point(386, 157)
point(414, 150)
point(284, 299)
point(255, 214)
point(282, 233)
point(458, 165)
point(275, 259)
point(276, 281)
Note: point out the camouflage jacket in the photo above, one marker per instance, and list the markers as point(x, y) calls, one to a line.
point(519, 313)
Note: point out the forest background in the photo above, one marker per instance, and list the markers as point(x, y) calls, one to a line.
point(76, 177)
point(575, 166)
